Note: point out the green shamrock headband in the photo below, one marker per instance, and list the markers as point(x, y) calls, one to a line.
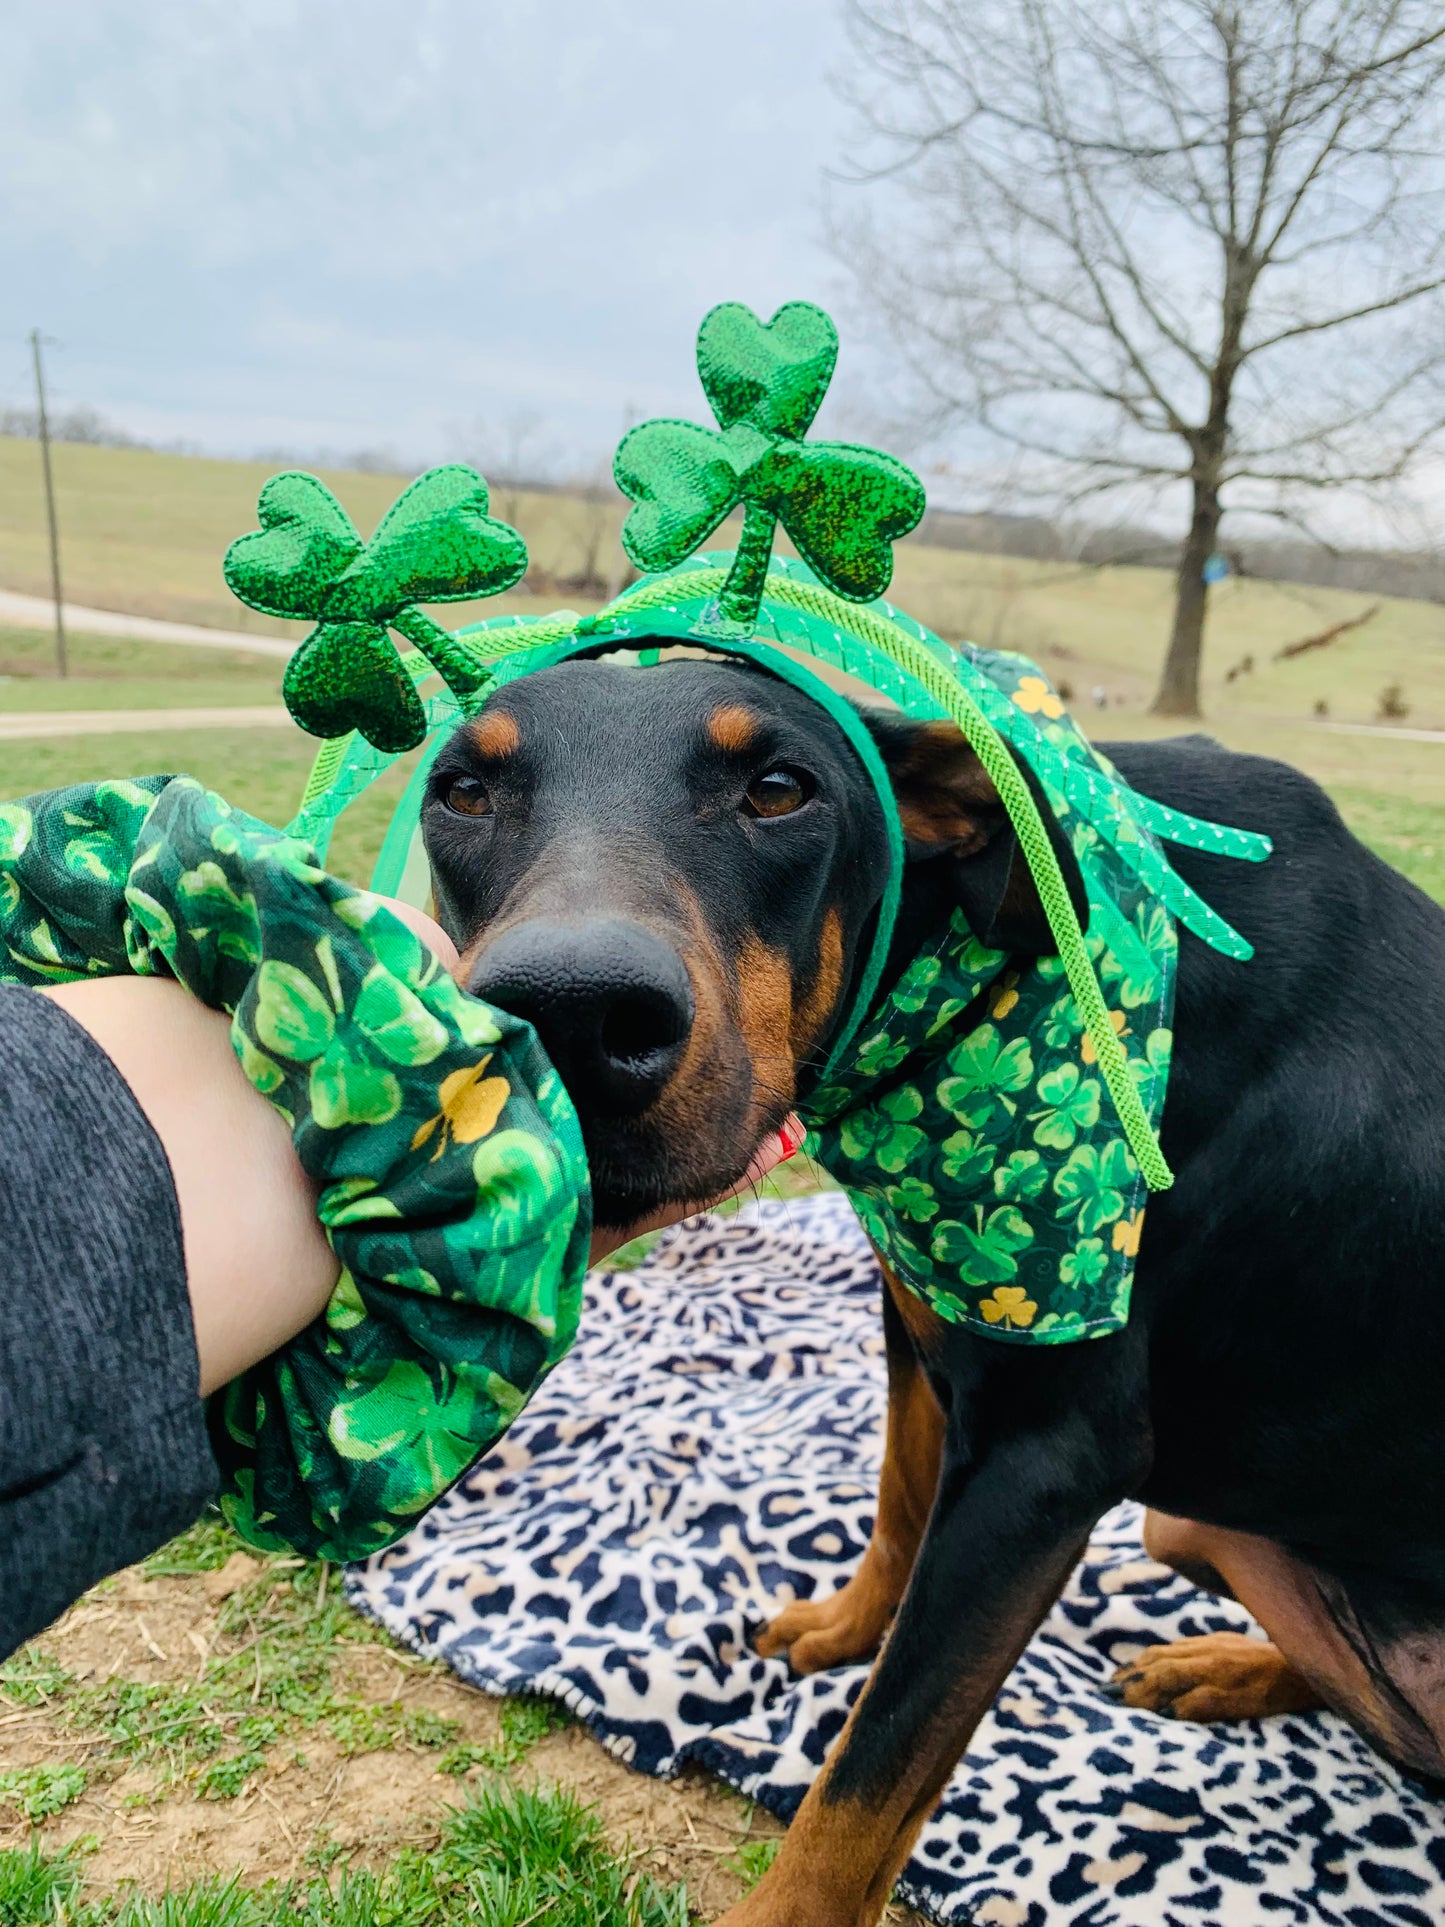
point(436, 543)
point(843, 506)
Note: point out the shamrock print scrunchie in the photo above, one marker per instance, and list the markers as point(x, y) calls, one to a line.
point(453, 1184)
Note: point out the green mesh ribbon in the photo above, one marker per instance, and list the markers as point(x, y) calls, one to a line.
point(452, 1181)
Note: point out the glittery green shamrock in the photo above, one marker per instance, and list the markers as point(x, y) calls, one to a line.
point(844, 506)
point(436, 543)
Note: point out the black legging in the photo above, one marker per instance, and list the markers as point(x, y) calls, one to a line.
point(103, 1449)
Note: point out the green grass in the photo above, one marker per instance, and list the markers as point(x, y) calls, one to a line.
point(138, 692)
point(37, 1887)
point(112, 672)
point(145, 533)
point(260, 770)
point(1408, 834)
point(27, 656)
point(203, 1547)
point(509, 1854)
point(524, 1723)
point(39, 1791)
point(753, 1858)
point(1108, 627)
point(508, 1857)
point(268, 1684)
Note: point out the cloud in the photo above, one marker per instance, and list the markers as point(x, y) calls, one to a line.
point(379, 219)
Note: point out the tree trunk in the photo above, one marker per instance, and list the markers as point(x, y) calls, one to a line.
point(1178, 693)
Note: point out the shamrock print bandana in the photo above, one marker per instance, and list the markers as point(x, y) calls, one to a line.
point(448, 1158)
point(968, 1122)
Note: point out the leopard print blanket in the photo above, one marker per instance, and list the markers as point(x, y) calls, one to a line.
point(710, 1447)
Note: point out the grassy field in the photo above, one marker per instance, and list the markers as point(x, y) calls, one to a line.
point(145, 533)
point(260, 770)
point(222, 1726)
point(112, 672)
point(1391, 790)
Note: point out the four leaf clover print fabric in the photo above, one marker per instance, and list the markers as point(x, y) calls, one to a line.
point(447, 1155)
point(969, 1124)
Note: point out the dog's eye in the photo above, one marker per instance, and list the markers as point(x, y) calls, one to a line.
point(778, 792)
point(468, 797)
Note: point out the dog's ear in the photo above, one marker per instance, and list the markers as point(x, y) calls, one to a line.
point(950, 811)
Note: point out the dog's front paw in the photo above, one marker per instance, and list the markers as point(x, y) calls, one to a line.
point(841, 1630)
point(1219, 1676)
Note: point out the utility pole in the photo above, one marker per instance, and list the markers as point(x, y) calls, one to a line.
point(44, 425)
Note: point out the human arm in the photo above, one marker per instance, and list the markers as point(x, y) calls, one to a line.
point(449, 1166)
point(259, 1268)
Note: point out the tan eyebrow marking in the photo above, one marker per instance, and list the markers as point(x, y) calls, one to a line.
point(496, 734)
point(732, 727)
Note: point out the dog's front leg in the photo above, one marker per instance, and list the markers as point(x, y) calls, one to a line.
point(1037, 1444)
point(849, 1624)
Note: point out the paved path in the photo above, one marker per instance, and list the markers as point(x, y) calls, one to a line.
point(1386, 729)
point(35, 612)
point(15, 724)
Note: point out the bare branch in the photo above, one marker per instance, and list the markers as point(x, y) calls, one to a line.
point(1197, 241)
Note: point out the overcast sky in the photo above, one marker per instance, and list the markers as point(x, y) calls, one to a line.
point(346, 224)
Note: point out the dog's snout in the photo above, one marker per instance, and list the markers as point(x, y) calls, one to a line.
point(611, 1003)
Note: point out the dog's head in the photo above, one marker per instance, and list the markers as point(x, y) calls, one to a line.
point(674, 874)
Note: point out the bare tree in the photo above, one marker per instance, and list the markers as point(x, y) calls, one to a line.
point(597, 518)
point(512, 451)
point(1147, 243)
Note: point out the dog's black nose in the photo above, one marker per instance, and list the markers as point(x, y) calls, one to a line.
point(611, 1003)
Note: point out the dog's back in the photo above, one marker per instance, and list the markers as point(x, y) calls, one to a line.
point(1294, 1277)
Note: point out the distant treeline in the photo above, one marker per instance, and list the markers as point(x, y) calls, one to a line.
point(1397, 572)
point(85, 425)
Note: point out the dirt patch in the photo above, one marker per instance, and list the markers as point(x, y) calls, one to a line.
point(314, 1799)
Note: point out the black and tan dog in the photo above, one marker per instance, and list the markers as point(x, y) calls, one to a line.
point(672, 872)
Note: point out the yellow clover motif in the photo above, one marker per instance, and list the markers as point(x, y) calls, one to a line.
point(1005, 996)
point(470, 1106)
point(1127, 1233)
point(1086, 1043)
point(1011, 1306)
point(1034, 695)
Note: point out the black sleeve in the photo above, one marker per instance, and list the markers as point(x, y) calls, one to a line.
point(103, 1445)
